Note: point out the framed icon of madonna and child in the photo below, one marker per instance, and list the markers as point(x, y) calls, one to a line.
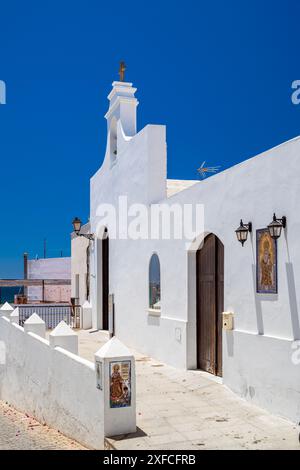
point(266, 263)
point(120, 384)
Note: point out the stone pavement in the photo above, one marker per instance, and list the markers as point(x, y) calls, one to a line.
point(192, 410)
point(22, 432)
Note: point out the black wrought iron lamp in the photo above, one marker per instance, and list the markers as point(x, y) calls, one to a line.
point(242, 232)
point(276, 226)
point(77, 227)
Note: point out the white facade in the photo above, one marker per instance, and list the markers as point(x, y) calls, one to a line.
point(257, 354)
point(79, 266)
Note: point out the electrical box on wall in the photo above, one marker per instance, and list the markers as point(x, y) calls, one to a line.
point(178, 334)
point(227, 321)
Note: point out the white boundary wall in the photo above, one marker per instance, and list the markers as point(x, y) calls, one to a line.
point(54, 385)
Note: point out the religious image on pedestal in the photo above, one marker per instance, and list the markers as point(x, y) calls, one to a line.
point(266, 263)
point(120, 384)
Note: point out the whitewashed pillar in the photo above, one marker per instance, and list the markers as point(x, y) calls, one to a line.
point(115, 379)
point(64, 337)
point(86, 316)
point(6, 310)
point(35, 324)
point(15, 316)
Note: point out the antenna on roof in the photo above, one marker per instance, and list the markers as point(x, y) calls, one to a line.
point(204, 170)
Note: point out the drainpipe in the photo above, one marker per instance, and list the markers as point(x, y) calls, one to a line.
point(88, 272)
point(25, 260)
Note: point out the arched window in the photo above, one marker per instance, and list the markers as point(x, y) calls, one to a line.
point(154, 282)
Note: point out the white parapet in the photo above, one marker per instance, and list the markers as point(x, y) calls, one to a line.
point(6, 310)
point(15, 316)
point(34, 324)
point(64, 337)
point(86, 316)
point(115, 379)
point(53, 382)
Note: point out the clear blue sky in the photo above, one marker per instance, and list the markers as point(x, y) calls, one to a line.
point(218, 74)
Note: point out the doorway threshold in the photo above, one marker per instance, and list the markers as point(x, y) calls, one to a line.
point(207, 375)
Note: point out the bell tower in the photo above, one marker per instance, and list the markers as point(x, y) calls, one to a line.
point(122, 107)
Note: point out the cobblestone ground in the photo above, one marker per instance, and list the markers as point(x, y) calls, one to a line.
point(22, 432)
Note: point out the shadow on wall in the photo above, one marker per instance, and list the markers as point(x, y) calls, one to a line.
point(258, 309)
point(259, 298)
point(293, 300)
point(295, 321)
point(230, 343)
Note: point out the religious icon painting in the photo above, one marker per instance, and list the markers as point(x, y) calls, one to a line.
point(266, 263)
point(120, 384)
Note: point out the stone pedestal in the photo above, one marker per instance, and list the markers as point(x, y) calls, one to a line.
point(15, 316)
point(64, 337)
point(115, 379)
point(86, 316)
point(6, 310)
point(35, 324)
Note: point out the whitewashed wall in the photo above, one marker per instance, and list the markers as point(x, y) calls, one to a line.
point(259, 368)
point(54, 385)
point(79, 246)
point(266, 325)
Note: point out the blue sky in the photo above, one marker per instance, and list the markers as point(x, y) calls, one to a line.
point(218, 74)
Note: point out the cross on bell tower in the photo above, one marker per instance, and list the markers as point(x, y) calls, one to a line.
point(122, 71)
point(122, 104)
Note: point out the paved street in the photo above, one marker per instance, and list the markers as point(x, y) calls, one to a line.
point(21, 432)
point(192, 410)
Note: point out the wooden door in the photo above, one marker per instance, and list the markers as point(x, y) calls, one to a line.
point(105, 282)
point(210, 300)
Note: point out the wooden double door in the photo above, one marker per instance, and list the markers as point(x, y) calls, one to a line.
point(210, 305)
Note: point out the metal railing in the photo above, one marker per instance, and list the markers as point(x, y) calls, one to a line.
point(51, 314)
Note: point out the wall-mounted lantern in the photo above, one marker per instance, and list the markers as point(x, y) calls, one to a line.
point(77, 227)
point(242, 232)
point(276, 226)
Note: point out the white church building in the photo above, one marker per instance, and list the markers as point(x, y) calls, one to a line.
point(170, 293)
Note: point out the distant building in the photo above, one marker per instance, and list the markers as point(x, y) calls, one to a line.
point(80, 255)
point(49, 269)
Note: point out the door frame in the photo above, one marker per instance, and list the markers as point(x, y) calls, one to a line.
point(191, 332)
point(218, 308)
point(105, 280)
point(97, 293)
